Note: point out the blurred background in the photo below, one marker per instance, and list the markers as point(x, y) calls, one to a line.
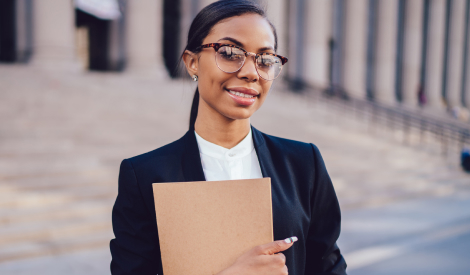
point(382, 87)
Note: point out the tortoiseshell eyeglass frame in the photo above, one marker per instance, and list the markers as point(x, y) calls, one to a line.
point(217, 46)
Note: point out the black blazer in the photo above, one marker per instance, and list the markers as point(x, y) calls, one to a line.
point(304, 204)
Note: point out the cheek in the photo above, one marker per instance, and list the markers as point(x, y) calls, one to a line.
point(211, 79)
point(208, 70)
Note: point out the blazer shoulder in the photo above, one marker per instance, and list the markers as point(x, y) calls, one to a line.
point(289, 146)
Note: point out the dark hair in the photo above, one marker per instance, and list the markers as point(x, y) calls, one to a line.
point(207, 18)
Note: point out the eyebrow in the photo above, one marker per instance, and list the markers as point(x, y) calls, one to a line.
point(240, 44)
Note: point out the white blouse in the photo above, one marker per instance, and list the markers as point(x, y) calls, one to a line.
point(239, 162)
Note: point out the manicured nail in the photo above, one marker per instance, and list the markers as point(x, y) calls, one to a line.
point(291, 240)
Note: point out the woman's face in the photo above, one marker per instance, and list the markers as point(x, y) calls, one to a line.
point(254, 34)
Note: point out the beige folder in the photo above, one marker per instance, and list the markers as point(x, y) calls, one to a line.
point(205, 226)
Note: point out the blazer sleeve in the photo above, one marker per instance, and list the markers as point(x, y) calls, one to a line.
point(135, 248)
point(323, 256)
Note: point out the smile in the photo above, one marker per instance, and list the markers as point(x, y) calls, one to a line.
point(241, 94)
point(243, 99)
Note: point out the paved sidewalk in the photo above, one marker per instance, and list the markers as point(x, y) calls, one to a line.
point(421, 236)
point(64, 135)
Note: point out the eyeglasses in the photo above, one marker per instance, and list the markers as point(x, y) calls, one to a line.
point(230, 59)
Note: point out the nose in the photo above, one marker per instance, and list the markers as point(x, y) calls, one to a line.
point(248, 71)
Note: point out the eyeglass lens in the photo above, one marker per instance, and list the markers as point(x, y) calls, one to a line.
point(230, 60)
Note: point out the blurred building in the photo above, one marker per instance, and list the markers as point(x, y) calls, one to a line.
point(412, 53)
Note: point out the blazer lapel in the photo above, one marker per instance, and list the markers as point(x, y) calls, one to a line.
point(264, 156)
point(268, 169)
point(191, 161)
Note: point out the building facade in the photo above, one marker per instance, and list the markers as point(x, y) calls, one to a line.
point(412, 53)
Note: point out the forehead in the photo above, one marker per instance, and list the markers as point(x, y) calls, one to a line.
point(252, 30)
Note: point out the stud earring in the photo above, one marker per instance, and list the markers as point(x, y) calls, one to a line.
point(195, 78)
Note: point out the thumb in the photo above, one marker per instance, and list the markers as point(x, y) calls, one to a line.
point(277, 246)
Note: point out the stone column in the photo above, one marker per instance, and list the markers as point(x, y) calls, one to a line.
point(435, 54)
point(23, 30)
point(466, 89)
point(144, 28)
point(117, 40)
point(54, 34)
point(296, 37)
point(203, 3)
point(277, 13)
point(412, 43)
point(186, 7)
point(188, 10)
point(355, 48)
point(455, 53)
point(385, 51)
point(317, 35)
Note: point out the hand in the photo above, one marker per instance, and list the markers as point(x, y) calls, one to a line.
point(263, 259)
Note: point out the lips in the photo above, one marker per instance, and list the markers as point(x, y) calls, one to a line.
point(244, 90)
point(243, 96)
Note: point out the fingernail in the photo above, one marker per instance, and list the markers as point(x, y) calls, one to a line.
point(291, 240)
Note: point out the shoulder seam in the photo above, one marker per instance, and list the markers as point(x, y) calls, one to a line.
point(137, 182)
point(315, 169)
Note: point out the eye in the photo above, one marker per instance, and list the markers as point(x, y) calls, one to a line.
point(231, 53)
point(268, 61)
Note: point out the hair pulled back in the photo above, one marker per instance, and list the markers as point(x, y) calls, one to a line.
point(207, 18)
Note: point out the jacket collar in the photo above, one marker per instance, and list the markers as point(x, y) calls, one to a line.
point(264, 156)
point(191, 161)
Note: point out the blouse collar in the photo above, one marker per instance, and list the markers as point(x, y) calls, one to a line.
point(242, 149)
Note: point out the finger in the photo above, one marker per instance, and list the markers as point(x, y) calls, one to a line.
point(282, 258)
point(276, 246)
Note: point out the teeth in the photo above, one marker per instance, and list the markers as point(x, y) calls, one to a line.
point(241, 94)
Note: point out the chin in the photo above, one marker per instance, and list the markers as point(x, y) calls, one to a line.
point(239, 114)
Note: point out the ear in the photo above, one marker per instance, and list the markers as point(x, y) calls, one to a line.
point(190, 60)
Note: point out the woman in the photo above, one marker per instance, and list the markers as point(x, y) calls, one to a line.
point(231, 53)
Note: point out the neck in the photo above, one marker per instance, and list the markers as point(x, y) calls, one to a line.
point(218, 129)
